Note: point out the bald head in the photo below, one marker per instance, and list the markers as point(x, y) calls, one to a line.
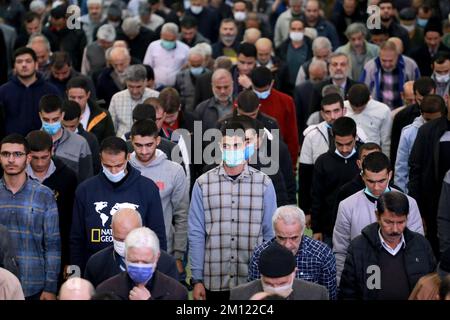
point(220, 74)
point(408, 93)
point(76, 289)
point(124, 221)
point(264, 50)
point(252, 35)
point(119, 59)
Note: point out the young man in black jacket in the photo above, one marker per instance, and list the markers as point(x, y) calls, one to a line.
point(53, 173)
point(331, 171)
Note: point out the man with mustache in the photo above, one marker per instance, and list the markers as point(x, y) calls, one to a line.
point(387, 259)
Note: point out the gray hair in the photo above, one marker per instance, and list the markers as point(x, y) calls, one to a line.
point(106, 32)
point(37, 5)
point(131, 25)
point(318, 63)
point(136, 72)
point(124, 211)
point(321, 43)
point(331, 88)
point(251, 32)
point(39, 38)
point(223, 62)
point(89, 2)
point(338, 54)
point(142, 238)
point(292, 2)
point(290, 214)
point(170, 27)
point(220, 73)
point(205, 47)
point(196, 51)
point(355, 28)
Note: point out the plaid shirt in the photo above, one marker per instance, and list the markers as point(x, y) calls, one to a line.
point(315, 263)
point(31, 217)
point(121, 109)
point(227, 219)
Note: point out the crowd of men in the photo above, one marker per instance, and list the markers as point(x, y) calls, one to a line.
point(150, 148)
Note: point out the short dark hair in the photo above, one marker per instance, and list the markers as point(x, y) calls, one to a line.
point(235, 127)
point(297, 19)
point(394, 201)
point(376, 31)
point(433, 103)
point(261, 77)
point(188, 22)
point(30, 16)
point(50, 103)
point(78, 82)
point(376, 162)
point(39, 140)
point(24, 50)
point(387, 1)
point(368, 146)
point(154, 102)
point(144, 128)
point(247, 49)
point(16, 138)
point(72, 110)
point(144, 111)
point(424, 86)
point(113, 145)
point(358, 95)
point(441, 57)
point(247, 101)
point(332, 98)
point(150, 72)
point(170, 100)
point(344, 126)
point(228, 20)
point(59, 59)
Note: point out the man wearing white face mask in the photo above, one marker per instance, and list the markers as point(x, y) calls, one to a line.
point(278, 267)
point(207, 17)
point(441, 73)
point(141, 280)
point(111, 261)
point(118, 186)
point(358, 210)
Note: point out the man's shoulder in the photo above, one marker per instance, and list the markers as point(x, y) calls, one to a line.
point(318, 248)
point(307, 289)
point(40, 188)
point(103, 256)
point(350, 201)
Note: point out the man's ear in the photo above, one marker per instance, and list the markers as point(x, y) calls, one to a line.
point(158, 140)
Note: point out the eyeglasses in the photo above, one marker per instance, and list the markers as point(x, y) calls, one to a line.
point(16, 154)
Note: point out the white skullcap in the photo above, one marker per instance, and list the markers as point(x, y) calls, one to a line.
point(106, 32)
point(37, 5)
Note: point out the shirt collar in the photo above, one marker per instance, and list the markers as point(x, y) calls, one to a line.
point(394, 251)
point(244, 173)
point(51, 169)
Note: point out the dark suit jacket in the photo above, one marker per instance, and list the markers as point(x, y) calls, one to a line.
point(425, 60)
point(106, 264)
point(302, 290)
point(203, 89)
point(317, 94)
point(161, 287)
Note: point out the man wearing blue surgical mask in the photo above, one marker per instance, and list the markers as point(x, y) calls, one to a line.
point(358, 210)
point(141, 280)
point(225, 226)
point(118, 186)
point(69, 147)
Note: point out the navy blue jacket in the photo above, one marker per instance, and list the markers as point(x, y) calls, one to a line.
point(21, 104)
point(96, 201)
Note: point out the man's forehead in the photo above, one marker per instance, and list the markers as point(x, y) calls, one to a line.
point(12, 147)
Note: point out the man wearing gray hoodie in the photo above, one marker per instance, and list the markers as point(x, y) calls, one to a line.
point(171, 180)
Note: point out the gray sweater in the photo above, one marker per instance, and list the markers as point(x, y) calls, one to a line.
point(173, 187)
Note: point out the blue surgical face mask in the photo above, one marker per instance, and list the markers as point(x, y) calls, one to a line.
point(346, 157)
point(262, 95)
point(369, 193)
point(249, 151)
point(168, 45)
point(140, 273)
point(233, 158)
point(422, 22)
point(51, 128)
point(196, 70)
point(114, 177)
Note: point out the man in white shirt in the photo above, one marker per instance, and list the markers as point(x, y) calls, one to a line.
point(167, 56)
point(372, 116)
point(123, 102)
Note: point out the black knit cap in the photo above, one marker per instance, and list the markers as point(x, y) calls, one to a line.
point(408, 14)
point(276, 261)
point(433, 25)
point(443, 268)
point(59, 11)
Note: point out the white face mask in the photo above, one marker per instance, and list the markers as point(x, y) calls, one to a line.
point(196, 9)
point(296, 36)
point(240, 16)
point(409, 28)
point(114, 177)
point(283, 291)
point(442, 78)
point(119, 247)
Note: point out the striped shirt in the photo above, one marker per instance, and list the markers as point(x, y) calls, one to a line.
point(31, 217)
point(315, 263)
point(227, 219)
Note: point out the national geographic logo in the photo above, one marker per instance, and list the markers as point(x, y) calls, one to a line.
point(101, 235)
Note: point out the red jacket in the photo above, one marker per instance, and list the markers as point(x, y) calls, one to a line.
point(281, 107)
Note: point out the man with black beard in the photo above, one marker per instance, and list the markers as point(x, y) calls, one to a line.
point(227, 44)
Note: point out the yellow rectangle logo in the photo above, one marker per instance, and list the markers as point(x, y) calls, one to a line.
point(95, 235)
